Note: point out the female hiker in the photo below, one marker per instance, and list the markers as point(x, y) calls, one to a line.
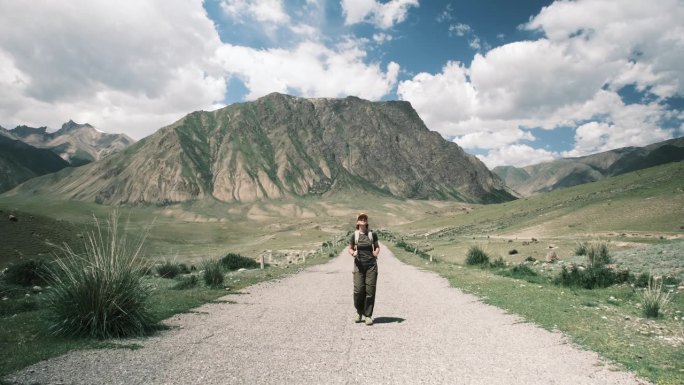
point(363, 246)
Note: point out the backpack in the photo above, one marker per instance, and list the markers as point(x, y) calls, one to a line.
point(370, 236)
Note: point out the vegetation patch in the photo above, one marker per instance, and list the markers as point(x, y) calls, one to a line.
point(213, 273)
point(169, 270)
point(477, 256)
point(99, 294)
point(233, 261)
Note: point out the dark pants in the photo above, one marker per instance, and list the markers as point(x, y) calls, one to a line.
point(364, 289)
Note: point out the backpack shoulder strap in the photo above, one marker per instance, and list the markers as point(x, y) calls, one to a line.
point(356, 237)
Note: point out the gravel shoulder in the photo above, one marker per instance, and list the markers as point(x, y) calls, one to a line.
point(300, 330)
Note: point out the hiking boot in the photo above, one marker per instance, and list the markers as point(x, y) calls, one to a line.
point(358, 318)
point(369, 321)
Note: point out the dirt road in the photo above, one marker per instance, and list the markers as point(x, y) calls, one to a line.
point(300, 330)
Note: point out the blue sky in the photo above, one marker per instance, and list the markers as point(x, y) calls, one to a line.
point(514, 82)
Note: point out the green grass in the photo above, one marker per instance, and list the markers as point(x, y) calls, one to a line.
point(607, 321)
point(639, 215)
point(24, 339)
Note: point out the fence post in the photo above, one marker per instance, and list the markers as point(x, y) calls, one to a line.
point(261, 261)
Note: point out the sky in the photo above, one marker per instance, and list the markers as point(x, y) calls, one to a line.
point(513, 82)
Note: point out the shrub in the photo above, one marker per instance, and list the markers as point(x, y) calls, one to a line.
point(213, 273)
point(184, 269)
point(581, 248)
point(168, 270)
point(19, 305)
point(232, 261)
point(591, 277)
point(477, 256)
point(598, 254)
point(100, 293)
point(498, 263)
point(654, 298)
point(641, 280)
point(187, 282)
point(28, 273)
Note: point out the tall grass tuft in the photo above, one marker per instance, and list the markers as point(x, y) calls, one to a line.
point(598, 254)
point(213, 273)
point(100, 293)
point(168, 270)
point(654, 298)
point(477, 256)
point(581, 248)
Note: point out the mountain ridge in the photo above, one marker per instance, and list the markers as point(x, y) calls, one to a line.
point(78, 144)
point(567, 172)
point(284, 146)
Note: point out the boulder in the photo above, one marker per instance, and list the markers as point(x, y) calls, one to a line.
point(12, 218)
point(551, 257)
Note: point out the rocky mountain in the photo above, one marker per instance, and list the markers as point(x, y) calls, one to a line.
point(20, 162)
point(283, 146)
point(76, 143)
point(549, 176)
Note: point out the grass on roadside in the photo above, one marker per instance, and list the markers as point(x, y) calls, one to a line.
point(24, 340)
point(608, 321)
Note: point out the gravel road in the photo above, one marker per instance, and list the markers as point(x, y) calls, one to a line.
point(300, 330)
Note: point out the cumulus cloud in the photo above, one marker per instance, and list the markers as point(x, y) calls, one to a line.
point(518, 155)
point(311, 69)
point(136, 67)
point(260, 10)
point(568, 78)
point(382, 15)
point(132, 67)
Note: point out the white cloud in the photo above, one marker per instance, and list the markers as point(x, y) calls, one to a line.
point(311, 70)
point(270, 11)
point(460, 29)
point(442, 100)
point(133, 67)
point(381, 38)
point(649, 33)
point(493, 139)
point(570, 78)
point(518, 155)
point(382, 15)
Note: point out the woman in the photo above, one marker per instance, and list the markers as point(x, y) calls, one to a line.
point(363, 246)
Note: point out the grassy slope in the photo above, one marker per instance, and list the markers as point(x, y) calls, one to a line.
point(643, 206)
point(640, 215)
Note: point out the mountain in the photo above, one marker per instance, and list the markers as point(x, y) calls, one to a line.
point(568, 172)
point(20, 162)
point(76, 143)
point(283, 146)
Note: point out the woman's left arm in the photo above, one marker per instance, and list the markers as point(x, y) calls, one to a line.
point(376, 246)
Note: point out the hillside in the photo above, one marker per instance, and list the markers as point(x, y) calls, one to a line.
point(282, 146)
point(76, 143)
point(561, 173)
point(20, 162)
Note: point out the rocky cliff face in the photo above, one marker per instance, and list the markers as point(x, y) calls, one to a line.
point(280, 146)
point(76, 143)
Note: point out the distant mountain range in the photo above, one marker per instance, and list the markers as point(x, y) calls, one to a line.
point(283, 146)
point(20, 162)
point(78, 144)
point(560, 173)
